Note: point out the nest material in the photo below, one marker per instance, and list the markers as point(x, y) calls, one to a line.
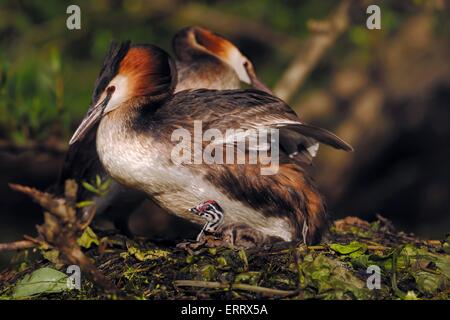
point(337, 269)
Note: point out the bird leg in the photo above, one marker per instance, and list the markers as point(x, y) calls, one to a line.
point(203, 240)
point(305, 231)
point(202, 232)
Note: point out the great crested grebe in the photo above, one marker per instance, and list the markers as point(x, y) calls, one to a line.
point(204, 59)
point(137, 113)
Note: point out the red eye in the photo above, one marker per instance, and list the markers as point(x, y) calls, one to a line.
point(110, 89)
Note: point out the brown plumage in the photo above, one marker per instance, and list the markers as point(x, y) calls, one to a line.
point(208, 60)
point(145, 75)
point(134, 144)
point(81, 162)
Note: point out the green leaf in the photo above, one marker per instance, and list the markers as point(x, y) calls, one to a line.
point(428, 282)
point(104, 187)
point(431, 271)
point(88, 238)
point(208, 272)
point(84, 204)
point(352, 247)
point(332, 278)
point(51, 255)
point(89, 187)
point(98, 181)
point(244, 259)
point(321, 274)
point(411, 295)
point(360, 260)
point(44, 280)
point(251, 277)
point(222, 261)
point(446, 247)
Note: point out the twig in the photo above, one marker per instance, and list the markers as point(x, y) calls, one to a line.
point(283, 247)
point(301, 281)
point(369, 247)
point(47, 201)
point(17, 245)
point(318, 44)
point(275, 248)
point(388, 223)
point(397, 291)
point(237, 286)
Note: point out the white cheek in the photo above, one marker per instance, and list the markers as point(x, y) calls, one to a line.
point(236, 60)
point(121, 93)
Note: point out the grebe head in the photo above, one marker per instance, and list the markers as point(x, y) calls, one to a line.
point(191, 42)
point(130, 74)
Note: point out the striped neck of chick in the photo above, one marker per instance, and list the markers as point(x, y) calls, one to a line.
point(212, 212)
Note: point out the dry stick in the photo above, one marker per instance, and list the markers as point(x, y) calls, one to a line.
point(45, 200)
point(397, 291)
point(318, 44)
point(17, 245)
point(237, 286)
point(369, 247)
point(28, 243)
point(300, 276)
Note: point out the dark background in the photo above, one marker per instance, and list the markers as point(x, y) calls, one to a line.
point(385, 91)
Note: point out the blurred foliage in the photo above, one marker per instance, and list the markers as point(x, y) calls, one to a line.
point(31, 97)
point(47, 71)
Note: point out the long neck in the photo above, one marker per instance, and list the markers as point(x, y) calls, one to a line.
point(123, 124)
point(206, 73)
point(120, 146)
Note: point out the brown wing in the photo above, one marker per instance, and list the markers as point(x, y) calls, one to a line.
point(250, 109)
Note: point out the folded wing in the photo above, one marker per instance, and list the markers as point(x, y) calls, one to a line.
point(253, 109)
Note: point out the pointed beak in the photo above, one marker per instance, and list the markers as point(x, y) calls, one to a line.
point(193, 210)
point(254, 81)
point(92, 118)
